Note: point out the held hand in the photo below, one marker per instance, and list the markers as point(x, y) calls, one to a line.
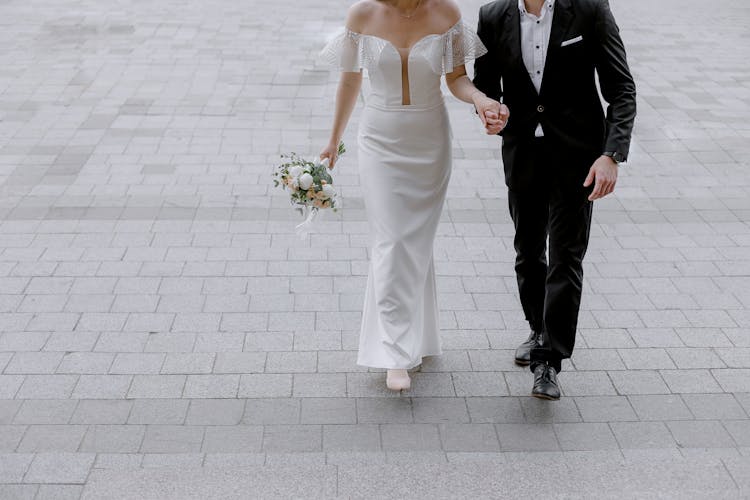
point(496, 121)
point(604, 174)
point(331, 151)
point(494, 115)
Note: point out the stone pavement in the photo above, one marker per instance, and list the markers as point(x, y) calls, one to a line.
point(163, 334)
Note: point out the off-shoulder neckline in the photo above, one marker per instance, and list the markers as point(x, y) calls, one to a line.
point(408, 49)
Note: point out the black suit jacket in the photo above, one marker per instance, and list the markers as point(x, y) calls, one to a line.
point(568, 104)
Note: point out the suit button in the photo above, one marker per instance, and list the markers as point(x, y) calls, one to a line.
point(540, 108)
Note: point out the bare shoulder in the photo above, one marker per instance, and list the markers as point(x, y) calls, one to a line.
point(448, 10)
point(360, 13)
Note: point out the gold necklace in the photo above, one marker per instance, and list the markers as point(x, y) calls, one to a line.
point(419, 2)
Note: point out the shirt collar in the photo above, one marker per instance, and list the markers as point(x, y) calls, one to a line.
point(548, 5)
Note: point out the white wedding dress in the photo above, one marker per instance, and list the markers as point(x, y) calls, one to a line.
point(404, 166)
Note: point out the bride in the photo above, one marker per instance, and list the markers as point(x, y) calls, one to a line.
point(404, 144)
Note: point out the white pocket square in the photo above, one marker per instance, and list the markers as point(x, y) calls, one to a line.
point(572, 41)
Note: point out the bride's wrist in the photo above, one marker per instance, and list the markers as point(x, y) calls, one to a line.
point(476, 93)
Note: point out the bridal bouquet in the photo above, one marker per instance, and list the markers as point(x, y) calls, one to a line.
point(310, 186)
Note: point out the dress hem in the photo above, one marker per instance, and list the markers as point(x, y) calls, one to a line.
point(409, 367)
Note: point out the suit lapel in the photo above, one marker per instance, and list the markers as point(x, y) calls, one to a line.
point(561, 18)
point(512, 40)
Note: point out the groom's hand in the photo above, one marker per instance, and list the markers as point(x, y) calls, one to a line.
point(496, 120)
point(603, 173)
point(493, 114)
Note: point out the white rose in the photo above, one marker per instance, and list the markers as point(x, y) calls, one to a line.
point(294, 184)
point(329, 191)
point(295, 171)
point(305, 181)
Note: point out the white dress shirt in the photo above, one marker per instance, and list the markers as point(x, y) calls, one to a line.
point(535, 33)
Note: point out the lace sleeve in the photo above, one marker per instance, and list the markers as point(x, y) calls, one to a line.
point(462, 45)
point(345, 51)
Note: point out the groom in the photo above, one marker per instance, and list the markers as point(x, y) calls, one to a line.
point(560, 152)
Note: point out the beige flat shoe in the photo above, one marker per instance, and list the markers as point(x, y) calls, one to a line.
point(398, 380)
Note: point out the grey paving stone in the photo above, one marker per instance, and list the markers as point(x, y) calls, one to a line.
point(188, 363)
point(271, 411)
point(583, 383)
point(527, 437)
point(338, 362)
point(316, 481)
point(738, 467)
point(638, 382)
point(156, 386)
point(292, 438)
point(227, 460)
point(13, 466)
point(328, 411)
point(8, 410)
point(642, 435)
point(605, 409)
point(172, 439)
point(59, 468)
point(265, 385)
point(384, 410)
point(34, 362)
point(239, 362)
point(307, 385)
point(733, 379)
point(690, 381)
point(233, 439)
point(585, 436)
point(597, 359)
point(410, 437)
point(137, 363)
point(495, 410)
point(215, 412)
point(479, 384)
point(440, 410)
point(101, 412)
point(542, 411)
point(102, 386)
point(85, 363)
point(291, 362)
point(19, 491)
point(113, 438)
point(738, 429)
point(700, 434)
point(10, 436)
point(360, 437)
point(450, 361)
point(211, 386)
point(695, 357)
point(469, 437)
point(45, 411)
point(159, 411)
point(9, 385)
point(49, 438)
point(660, 407)
point(646, 359)
point(47, 387)
point(59, 492)
point(714, 406)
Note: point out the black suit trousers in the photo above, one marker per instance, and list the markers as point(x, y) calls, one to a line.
point(551, 205)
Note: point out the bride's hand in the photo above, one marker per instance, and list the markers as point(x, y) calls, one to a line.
point(493, 114)
point(331, 151)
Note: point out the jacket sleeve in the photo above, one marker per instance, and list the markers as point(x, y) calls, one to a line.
point(616, 82)
point(486, 69)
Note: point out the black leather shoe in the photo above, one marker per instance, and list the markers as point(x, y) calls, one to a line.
point(545, 383)
point(523, 353)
